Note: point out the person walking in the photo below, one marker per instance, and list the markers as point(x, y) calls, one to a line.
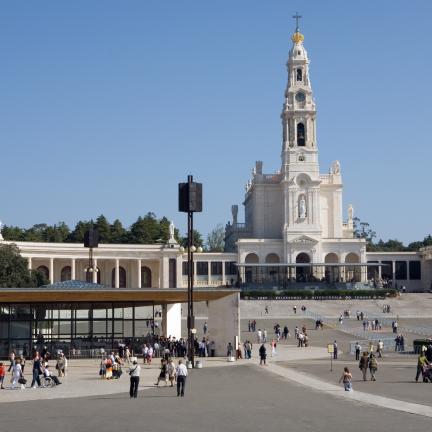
point(259, 336)
point(171, 371)
point(335, 350)
point(263, 355)
point(2, 375)
point(363, 364)
point(380, 348)
point(17, 374)
point(346, 378)
point(134, 373)
point(373, 366)
point(37, 370)
point(357, 348)
point(273, 347)
point(181, 375)
point(163, 373)
point(422, 362)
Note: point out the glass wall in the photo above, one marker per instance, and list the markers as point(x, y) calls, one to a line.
point(69, 326)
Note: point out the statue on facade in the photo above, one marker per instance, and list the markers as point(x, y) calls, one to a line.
point(350, 212)
point(171, 233)
point(234, 211)
point(302, 208)
point(335, 168)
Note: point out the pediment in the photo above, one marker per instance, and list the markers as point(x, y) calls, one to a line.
point(304, 240)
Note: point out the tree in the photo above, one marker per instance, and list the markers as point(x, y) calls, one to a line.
point(362, 230)
point(216, 239)
point(13, 233)
point(145, 230)
point(197, 240)
point(77, 235)
point(104, 229)
point(14, 272)
point(118, 233)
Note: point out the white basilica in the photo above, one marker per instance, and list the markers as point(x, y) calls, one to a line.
point(296, 215)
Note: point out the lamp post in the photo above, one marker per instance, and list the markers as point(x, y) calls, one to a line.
point(91, 240)
point(190, 201)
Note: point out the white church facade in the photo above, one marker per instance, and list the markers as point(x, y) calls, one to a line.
point(296, 214)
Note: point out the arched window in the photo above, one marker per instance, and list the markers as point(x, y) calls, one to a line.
point(301, 136)
point(44, 270)
point(122, 277)
point(299, 74)
point(352, 273)
point(272, 272)
point(331, 273)
point(251, 272)
point(146, 277)
point(89, 276)
point(66, 274)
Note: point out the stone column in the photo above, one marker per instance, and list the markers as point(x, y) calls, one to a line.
point(94, 270)
point(117, 273)
point(393, 274)
point(379, 271)
point(223, 274)
point(407, 266)
point(171, 320)
point(29, 263)
point(51, 270)
point(224, 322)
point(139, 283)
point(73, 269)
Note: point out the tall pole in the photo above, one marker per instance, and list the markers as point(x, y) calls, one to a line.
point(191, 323)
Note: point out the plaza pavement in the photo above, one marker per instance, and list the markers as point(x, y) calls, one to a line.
point(235, 399)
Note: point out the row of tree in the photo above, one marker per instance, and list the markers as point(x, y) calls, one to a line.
point(145, 230)
point(363, 230)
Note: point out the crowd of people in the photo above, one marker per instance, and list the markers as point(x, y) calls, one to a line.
point(40, 368)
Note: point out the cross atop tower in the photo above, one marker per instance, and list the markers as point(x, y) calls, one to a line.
point(297, 17)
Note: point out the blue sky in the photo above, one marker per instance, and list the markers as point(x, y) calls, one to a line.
point(105, 105)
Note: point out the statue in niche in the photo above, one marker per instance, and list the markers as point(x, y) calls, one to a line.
point(335, 168)
point(302, 208)
point(350, 212)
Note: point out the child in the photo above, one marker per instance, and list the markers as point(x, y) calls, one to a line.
point(346, 379)
point(2, 375)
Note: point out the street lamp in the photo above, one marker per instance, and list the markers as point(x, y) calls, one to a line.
point(91, 240)
point(190, 201)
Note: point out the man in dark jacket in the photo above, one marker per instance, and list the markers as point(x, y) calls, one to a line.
point(363, 364)
point(262, 354)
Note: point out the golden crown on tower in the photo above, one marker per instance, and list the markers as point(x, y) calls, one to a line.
point(297, 37)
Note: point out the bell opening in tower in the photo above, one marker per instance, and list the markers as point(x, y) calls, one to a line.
point(301, 141)
point(299, 74)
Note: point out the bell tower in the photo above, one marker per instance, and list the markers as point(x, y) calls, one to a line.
point(300, 168)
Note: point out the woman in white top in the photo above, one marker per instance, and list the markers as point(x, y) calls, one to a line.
point(17, 374)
